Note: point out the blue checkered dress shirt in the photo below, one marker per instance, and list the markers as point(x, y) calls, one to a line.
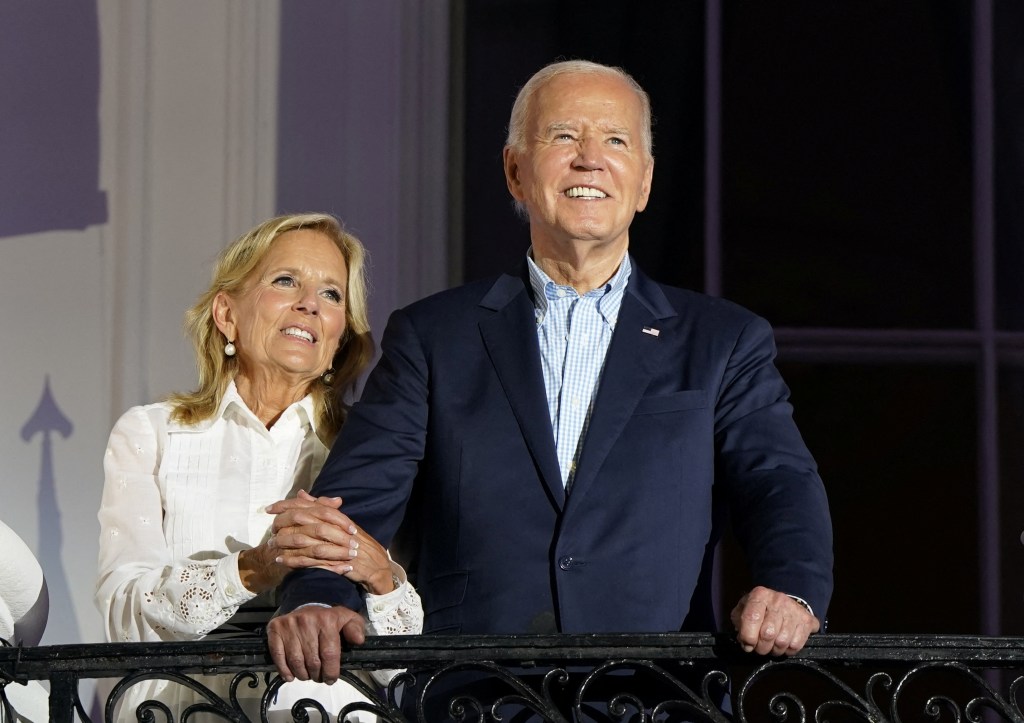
point(574, 333)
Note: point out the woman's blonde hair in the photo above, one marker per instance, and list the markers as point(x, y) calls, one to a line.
point(234, 267)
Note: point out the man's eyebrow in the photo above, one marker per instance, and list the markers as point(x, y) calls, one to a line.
point(570, 126)
point(560, 126)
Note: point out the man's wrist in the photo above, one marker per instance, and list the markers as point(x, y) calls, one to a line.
point(806, 605)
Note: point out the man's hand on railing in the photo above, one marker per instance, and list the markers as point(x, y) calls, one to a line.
point(768, 621)
point(306, 643)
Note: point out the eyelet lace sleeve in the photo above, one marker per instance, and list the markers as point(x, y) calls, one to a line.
point(398, 612)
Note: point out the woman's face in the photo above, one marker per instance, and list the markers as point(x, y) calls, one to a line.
point(288, 321)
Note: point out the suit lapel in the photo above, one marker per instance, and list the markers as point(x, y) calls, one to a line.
point(510, 337)
point(634, 356)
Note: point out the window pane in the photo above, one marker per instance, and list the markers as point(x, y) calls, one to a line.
point(847, 162)
point(1008, 66)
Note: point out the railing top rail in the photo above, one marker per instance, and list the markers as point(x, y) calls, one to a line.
point(232, 655)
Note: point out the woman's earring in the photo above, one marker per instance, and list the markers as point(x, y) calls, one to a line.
point(229, 349)
point(327, 377)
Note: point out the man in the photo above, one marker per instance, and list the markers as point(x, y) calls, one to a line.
point(565, 445)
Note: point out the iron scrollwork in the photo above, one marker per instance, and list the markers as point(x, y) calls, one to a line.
point(617, 690)
point(932, 691)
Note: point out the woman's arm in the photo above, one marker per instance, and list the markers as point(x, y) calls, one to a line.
point(143, 593)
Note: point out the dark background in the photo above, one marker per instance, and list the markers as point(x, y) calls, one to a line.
point(848, 179)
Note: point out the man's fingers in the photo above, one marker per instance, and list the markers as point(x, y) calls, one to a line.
point(748, 618)
point(329, 662)
point(287, 649)
point(798, 640)
point(342, 622)
point(798, 624)
point(783, 633)
point(772, 623)
point(808, 625)
point(276, 644)
point(354, 631)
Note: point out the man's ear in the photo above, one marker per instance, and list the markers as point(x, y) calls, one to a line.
point(645, 189)
point(511, 163)
point(224, 315)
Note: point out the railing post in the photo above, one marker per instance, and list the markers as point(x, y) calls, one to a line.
point(63, 687)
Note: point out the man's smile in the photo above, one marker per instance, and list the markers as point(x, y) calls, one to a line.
point(585, 192)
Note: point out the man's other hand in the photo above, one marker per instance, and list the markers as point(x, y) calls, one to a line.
point(768, 621)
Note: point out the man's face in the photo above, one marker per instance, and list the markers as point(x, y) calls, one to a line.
point(584, 171)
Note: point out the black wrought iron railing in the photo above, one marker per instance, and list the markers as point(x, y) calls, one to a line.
point(566, 678)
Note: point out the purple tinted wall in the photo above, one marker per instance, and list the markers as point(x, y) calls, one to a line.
point(311, 111)
point(49, 117)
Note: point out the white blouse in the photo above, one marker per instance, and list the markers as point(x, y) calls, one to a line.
point(181, 501)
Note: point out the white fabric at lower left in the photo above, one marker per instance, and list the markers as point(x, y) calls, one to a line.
point(332, 697)
point(24, 605)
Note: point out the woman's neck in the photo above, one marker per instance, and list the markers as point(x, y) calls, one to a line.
point(268, 399)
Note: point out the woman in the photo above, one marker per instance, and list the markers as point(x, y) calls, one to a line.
point(185, 543)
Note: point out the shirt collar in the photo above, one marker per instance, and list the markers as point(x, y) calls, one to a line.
point(304, 408)
point(541, 283)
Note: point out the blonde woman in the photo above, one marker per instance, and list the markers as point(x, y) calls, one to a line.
point(186, 549)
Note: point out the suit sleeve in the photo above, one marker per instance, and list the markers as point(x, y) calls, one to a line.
point(375, 459)
point(777, 501)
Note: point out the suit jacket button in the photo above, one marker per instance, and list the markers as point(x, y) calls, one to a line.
point(565, 563)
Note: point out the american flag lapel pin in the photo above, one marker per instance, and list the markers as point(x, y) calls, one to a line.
point(651, 330)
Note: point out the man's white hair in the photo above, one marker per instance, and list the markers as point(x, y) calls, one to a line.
point(521, 108)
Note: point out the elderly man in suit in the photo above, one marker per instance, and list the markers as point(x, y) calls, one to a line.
point(563, 447)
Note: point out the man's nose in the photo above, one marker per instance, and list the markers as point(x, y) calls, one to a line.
point(588, 154)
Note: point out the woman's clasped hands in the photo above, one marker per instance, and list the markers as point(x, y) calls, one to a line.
point(313, 532)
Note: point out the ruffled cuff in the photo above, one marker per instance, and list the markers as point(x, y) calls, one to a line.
point(229, 588)
point(381, 607)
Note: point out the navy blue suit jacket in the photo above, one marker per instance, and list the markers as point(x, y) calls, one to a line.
point(691, 427)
